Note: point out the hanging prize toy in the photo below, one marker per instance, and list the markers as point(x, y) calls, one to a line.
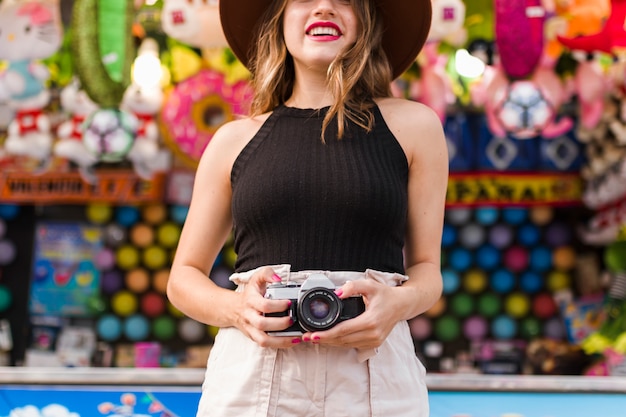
point(29, 31)
point(103, 55)
point(519, 35)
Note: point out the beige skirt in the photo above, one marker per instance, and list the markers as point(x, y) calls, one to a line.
point(310, 380)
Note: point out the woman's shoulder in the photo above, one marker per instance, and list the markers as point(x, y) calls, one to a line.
point(235, 134)
point(406, 111)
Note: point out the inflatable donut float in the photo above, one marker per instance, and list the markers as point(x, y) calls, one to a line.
point(196, 107)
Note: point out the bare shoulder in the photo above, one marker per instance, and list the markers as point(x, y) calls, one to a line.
point(230, 139)
point(415, 125)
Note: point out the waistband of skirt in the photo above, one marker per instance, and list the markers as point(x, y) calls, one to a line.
point(339, 278)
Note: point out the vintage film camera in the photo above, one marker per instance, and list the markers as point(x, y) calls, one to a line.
point(314, 305)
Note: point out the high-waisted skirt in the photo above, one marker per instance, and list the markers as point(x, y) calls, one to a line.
point(313, 380)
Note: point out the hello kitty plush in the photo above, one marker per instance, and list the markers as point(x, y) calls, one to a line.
point(29, 31)
point(69, 144)
point(193, 22)
point(146, 154)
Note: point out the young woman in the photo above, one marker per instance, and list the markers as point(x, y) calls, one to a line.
point(331, 178)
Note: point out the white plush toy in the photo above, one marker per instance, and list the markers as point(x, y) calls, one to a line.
point(29, 31)
point(194, 22)
point(143, 99)
point(70, 145)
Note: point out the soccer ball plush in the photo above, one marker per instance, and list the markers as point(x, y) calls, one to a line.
point(109, 134)
point(525, 112)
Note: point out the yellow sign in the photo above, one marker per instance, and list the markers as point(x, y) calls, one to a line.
point(496, 188)
point(123, 187)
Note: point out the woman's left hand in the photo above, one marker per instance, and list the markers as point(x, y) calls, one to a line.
point(368, 330)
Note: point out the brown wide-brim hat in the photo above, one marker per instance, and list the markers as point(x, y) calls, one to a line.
point(407, 23)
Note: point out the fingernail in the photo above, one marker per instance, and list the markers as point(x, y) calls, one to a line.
point(316, 338)
point(339, 292)
point(296, 341)
point(290, 322)
point(276, 278)
point(288, 303)
point(306, 339)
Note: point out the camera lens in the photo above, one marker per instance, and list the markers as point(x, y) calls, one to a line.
point(318, 309)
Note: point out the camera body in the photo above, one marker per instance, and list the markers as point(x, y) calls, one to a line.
point(314, 305)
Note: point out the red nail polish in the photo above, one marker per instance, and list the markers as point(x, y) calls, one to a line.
point(306, 339)
point(316, 338)
point(339, 292)
point(276, 278)
point(295, 341)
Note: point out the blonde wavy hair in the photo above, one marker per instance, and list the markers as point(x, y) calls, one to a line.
point(356, 77)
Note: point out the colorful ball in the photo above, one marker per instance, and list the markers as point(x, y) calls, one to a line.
point(190, 330)
point(124, 303)
point(486, 215)
point(489, 305)
point(178, 213)
point(114, 235)
point(471, 236)
point(503, 327)
point(111, 281)
point(154, 213)
point(8, 252)
point(9, 211)
point(530, 328)
point(104, 259)
point(458, 215)
point(152, 304)
point(141, 235)
point(501, 236)
point(531, 282)
point(528, 234)
point(554, 328)
point(448, 236)
point(541, 215)
point(544, 306)
point(137, 280)
point(475, 281)
point(558, 280)
point(168, 234)
point(517, 305)
point(475, 328)
point(460, 259)
point(109, 328)
point(514, 215)
point(558, 234)
point(155, 257)
point(540, 258)
point(159, 280)
point(420, 327)
point(564, 258)
point(462, 304)
point(502, 281)
point(447, 328)
point(487, 257)
point(136, 328)
point(99, 213)
point(516, 259)
point(127, 257)
point(451, 280)
point(127, 215)
point(5, 298)
point(164, 328)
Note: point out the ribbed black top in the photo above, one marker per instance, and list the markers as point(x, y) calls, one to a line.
point(339, 205)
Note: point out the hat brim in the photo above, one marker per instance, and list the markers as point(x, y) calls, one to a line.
point(407, 24)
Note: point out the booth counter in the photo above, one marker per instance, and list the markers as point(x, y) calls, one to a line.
point(128, 392)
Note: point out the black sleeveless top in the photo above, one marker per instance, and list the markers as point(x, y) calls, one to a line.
point(339, 205)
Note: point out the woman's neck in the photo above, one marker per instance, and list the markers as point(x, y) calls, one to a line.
point(310, 90)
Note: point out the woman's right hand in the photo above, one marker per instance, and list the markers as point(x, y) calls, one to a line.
point(253, 305)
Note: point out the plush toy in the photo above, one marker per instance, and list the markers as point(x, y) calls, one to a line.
point(193, 22)
point(146, 154)
point(610, 39)
point(69, 144)
point(519, 35)
point(433, 87)
point(448, 22)
point(29, 31)
point(523, 108)
point(572, 18)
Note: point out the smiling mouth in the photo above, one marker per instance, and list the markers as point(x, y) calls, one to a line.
point(324, 31)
